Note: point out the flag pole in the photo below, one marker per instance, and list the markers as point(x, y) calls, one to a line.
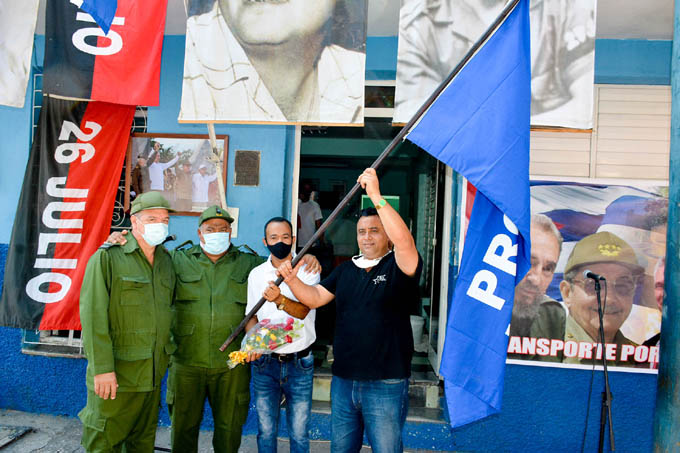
point(386, 152)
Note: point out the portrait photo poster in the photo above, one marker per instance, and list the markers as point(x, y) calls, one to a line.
point(293, 62)
point(434, 36)
point(615, 213)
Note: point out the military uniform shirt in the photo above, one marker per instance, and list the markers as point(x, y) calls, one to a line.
point(574, 332)
point(210, 301)
point(125, 310)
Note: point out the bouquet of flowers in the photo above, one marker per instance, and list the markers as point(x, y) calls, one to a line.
point(266, 337)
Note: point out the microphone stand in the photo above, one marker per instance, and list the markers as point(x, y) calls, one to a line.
point(606, 408)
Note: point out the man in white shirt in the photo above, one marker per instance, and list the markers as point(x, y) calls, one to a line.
point(157, 168)
point(291, 369)
point(309, 215)
point(201, 185)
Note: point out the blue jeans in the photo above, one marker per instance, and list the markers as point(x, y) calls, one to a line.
point(378, 406)
point(295, 379)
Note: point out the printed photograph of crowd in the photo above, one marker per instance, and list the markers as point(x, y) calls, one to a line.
point(184, 170)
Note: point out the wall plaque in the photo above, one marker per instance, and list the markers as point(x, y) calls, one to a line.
point(247, 168)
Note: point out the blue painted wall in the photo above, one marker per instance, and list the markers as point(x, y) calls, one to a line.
point(617, 61)
point(633, 62)
point(544, 408)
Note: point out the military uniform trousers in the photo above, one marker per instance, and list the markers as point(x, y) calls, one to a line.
point(228, 393)
point(126, 424)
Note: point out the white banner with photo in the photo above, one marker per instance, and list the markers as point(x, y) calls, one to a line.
point(615, 231)
point(435, 35)
point(17, 26)
point(292, 62)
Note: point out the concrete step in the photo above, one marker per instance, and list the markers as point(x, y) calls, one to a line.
point(425, 393)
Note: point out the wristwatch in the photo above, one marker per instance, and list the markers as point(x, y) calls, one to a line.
point(282, 305)
point(381, 204)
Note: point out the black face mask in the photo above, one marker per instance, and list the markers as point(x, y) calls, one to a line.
point(280, 249)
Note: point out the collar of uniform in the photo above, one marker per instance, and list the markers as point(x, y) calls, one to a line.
point(575, 332)
point(131, 245)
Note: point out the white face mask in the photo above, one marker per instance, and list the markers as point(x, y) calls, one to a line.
point(364, 263)
point(155, 233)
point(216, 243)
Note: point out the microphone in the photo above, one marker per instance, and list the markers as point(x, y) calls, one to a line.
point(589, 274)
point(172, 237)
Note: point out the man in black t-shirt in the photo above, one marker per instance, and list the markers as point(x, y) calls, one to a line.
point(373, 342)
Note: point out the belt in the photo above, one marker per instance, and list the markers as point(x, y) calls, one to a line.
point(290, 356)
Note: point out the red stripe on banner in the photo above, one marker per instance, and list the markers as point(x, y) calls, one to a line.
point(132, 74)
point(100, 176)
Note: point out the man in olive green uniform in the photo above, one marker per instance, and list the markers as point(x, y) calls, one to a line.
point(210, 300)
point(125, 312)
point(611, 257)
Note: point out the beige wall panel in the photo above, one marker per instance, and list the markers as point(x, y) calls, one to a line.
point(632, 172)
point(645, 108)
point(634, 146)
point(636, 94)
point(550, 169)
point(549, 156)
point(558, 143)
point(635, 159)
point(634, 133)
point(623, 119)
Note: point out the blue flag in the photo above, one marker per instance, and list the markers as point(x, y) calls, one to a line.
point(102, 11)
point(479, 125)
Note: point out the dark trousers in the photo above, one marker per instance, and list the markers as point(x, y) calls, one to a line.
point(228, 394)
point(127, 423)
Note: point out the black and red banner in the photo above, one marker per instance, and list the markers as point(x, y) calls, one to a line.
point(64, 211)
point(122, 67)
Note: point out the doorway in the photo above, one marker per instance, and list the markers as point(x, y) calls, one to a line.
point(331, 158)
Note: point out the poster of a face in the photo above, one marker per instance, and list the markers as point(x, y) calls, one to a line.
point(434, 35)
point(617, 232)
point(181, 168)
point(293, 61)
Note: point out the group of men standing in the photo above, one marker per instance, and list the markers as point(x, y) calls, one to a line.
point(143, 308)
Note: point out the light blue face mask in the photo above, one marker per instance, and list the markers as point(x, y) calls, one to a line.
point(216, 243)
point(155, 233)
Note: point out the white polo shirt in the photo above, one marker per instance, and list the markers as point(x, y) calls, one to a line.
point(258, 280)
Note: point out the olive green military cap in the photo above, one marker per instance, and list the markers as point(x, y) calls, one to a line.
point(149, 200)
point(603, 247)
point(214, 212)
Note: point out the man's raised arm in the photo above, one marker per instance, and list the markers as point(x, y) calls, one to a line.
point(405, 251)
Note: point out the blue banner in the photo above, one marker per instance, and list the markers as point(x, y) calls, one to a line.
point(473, 362)
point(480, 127)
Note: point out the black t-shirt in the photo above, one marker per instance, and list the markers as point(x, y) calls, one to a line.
point(373, 338)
